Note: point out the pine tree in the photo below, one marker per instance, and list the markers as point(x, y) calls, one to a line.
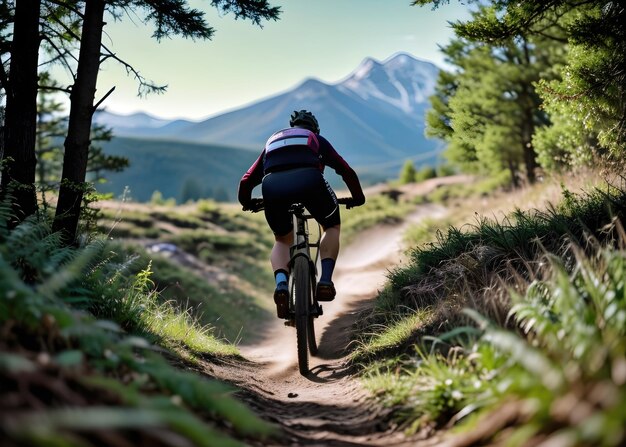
point(19, 134)
point(586, 103)
point(488, 109)
point(24, 25)
point(171, 17)
point(407, 173)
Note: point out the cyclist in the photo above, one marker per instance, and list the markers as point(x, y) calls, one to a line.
point(290, 169)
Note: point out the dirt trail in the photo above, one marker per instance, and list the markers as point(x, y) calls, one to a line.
point(328, 407)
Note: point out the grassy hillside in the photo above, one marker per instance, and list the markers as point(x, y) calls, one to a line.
point(495, 326)
point(89, 348)
point(511, 327)
point(173, 167)
point(207, 257)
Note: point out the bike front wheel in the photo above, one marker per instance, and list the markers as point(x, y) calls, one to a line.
point(311, 325)
point(304, 322)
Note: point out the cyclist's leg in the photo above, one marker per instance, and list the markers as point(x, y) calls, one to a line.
point(278, 218)
point(280, 252)
point(329, 243)
point(276, 194)
point(280, 264)
point(329, 250)
point(322, 203)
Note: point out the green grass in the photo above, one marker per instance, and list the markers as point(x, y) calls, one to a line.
point(209, 302)
point(546, 290)
point(425, 231)
point(431, 388)
point(492, 245)
point(378, 209)
point(139, 307)
point(234, 245)
point(395, 335)
point(82, 356)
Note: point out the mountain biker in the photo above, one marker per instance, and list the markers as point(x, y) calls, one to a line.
point(290, 169)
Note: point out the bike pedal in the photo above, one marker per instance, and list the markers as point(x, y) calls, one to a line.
point(317, 311)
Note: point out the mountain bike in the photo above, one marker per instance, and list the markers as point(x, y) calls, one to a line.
point(303, 305)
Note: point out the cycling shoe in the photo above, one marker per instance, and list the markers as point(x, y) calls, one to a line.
point(325, 291)
point(281, 298)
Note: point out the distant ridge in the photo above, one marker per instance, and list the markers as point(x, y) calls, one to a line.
point(178, 170)
point(374, 116)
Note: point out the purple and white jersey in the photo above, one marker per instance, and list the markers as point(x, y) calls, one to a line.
point(292, 137)
point(289, 148)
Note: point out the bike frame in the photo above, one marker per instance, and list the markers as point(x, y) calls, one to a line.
point(302, 247)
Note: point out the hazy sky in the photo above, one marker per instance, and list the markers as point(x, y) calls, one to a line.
point(325, 39)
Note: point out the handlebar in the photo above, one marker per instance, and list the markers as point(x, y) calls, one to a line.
point(347, 201)
point(257, 204)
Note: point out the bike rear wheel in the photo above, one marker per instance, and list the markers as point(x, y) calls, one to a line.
point(304, 321)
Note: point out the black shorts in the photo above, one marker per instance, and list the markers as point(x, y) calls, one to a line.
point(302, 185)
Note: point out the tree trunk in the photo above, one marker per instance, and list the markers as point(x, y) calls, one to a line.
point(528, 125)
point(21, 111)
point(513, 170)
point(79, 125)
point(530, 157)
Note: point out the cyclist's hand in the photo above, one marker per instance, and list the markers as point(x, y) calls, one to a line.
point(254, 205)
point(351, 202)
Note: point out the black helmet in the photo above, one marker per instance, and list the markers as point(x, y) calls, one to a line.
point(305, 119)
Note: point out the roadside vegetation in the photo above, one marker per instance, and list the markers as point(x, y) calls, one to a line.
point(91, 354)
point(206, 257)
point(380, 209)
point(510, 326)
point(148, 294)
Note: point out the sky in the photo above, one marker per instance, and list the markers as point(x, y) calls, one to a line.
point(323, 39)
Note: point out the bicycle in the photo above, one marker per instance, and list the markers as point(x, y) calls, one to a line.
point(303, 305)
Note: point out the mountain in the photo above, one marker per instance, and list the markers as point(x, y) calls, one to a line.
point(140, 124)
point(374, 117)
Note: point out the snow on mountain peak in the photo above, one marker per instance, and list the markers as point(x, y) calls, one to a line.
point(400, 81)
point(364, 68)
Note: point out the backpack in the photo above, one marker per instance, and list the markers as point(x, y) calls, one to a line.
point(291, 148)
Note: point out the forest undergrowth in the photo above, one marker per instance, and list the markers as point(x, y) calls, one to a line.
point(90, 354)
point(509, 330)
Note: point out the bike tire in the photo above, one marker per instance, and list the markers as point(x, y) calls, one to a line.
point(302, 298)
point(311, 323)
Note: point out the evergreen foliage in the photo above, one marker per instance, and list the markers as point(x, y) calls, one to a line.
point(581, 88)
point(51, 128)
point(488, 109)
point(69, 33)
point(426, 173)
point(407, 173)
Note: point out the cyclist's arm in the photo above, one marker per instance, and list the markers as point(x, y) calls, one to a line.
point(331, 158)
point(250, 179)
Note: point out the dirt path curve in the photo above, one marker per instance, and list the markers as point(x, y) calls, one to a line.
point(328, 407)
